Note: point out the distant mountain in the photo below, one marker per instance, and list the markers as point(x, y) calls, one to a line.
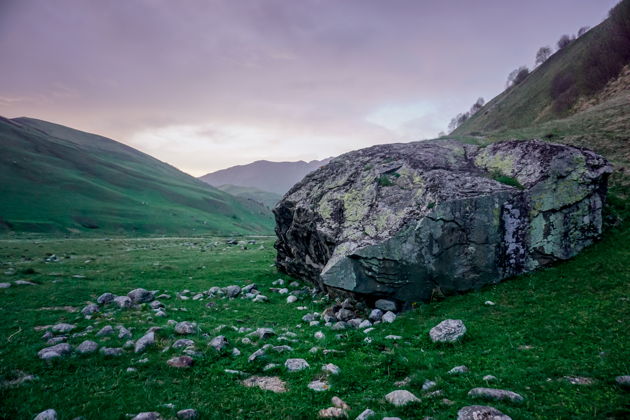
point(269, 199)
point(275, 177)
point(579, 96)
point(57, 179)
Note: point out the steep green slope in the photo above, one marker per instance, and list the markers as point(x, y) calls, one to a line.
point(56, 179)
point(579, 96)
point(269, 199)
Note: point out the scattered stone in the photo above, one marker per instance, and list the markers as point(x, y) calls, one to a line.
point(345, 314)
point(296, 365)
point(123, 302)
point(267, 383)
point(262, 333)
point(448, 331)
point(236, 352)
point(232, 291)
point(283, 291)
point(140, 295)
point(56, 340)
point(337, 326)
point(458, 370)
point(270, 366)
point(156, 304)
point(495, 394)
point(279, 282)
point(319, 386)
point(260, 298)
point(49, 414)
point(331, 368)
point(63, 328)
point(131, 370)
point(55, 351)
point(19, 380)
point(148, 415)
point(308, 318)
point(188, 414)
point(365, 414)
point(144, 342)
point(291, 299)
point(90, 309)
point(219, 343)
point(385, 305)
point(181, 362)
point(489, 303)
point(389, 317)
point(427, 385)
point(24, 283)
point(623, 380)
point(579, 380)
point(480, 412)
point(401, 398)
point(185, 327)
point(393, 337)
point(281, 349)
point(257, 354)
point(332, 413)
point(106, 330)
point(123, 332)
point(5, 285)
point(111, 351)
point(489, 378)
point(319, 335)
point(249, 288)
point(365, 324)
point(87, 347)
point(129, 344)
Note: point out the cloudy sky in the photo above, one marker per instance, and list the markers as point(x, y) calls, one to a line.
point(206, 84)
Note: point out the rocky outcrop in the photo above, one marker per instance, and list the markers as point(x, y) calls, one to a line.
point(407, 221)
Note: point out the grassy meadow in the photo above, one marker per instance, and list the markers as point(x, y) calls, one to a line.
point(567, 320)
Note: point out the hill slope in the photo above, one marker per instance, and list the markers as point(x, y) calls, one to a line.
point(276, 177)
point(267, 198)
point(57, 179)
point(579, 96)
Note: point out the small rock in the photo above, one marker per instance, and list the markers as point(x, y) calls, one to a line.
point(365, 324)
point(123, 333)
point(458, 370)
point(389, 317)
point(283, 291)
point(148, 415)
point(106, 330)
point(385, 305)
point(401, 398)
point(87, 347)
point(495, 394)
point(270, 366)
point(448, 331)
point(180, 362)
point(365, 414)
point(267, 383)
point(232, 291)
point(63, 328)
point(236, 352)
point(337, 326)
point(331, 368)
point(144, 342)
point(480, 412)
point(319, 386)
point(5, 285)
point(393, 337)
point(49, 414)
point(427, 385)
point(156, 304)
point(185, 327)
point(375, 315)
point(278, 282)
point(123, 302)
point(295, 365)
point(345, 314)
point(489, 378)
point(262, 333)
point(260, 298)
point(319, 335)
point(90, 309)
point(187, 414)
point(111, 351)
point(489, 303)
point(105, 298)
point(219, 343)
point(24, 283)
point(55, 351)
point(623, 380)
point(56, 340)
point(339, 403)
point(131, 370)
point(579, 380)
point(291, 299)
point(255, 355)
point(332, 413)
point(140, 295)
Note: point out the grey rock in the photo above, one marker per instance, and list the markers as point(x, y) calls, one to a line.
point(458, 370)
point(185, 327)
point(308, 318)
point(318, 386)
point(219, 343)
point(260, 298)
point(4, 285)
point(448, 331)
point(63, 328)
point(123, 332)
point(331, 368)
point(181, 362)
point(355, 322)
point(188, 414)
point(112, 351)
point(395, 219)
point(148, 415)
point(495, 394)
point(389, 317)
point(296, 365)
point(58, 350)
point(345, 314)
point(256, 355)
point(106, 330)
point(267, 383)
point(87, 347)
point(365, 414)
point(337, 326)
point(123, 302)
point(90, 309)
point(375, 315)
point(144, 342)
point(623, 380)
point(427, 385)
point(365, 324)
point(292, 299)
point(385, 305)
point(480, 412)
point(183, 343)
point(49, 414)
point(401, 398)
point(489, 378)
point(140, 295)
point(56, 340)
point(248, 288)
point(105, 298)
point(24, 283)
point(262, 333)
point(232, 291)
point(156, 304)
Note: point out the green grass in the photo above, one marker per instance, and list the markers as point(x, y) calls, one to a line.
point(54, 179)
point(573, 315)
point(507, 180)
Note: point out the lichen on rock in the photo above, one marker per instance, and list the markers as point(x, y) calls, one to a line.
point(405, 221)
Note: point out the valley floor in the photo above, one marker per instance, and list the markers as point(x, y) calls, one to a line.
point(545, 329)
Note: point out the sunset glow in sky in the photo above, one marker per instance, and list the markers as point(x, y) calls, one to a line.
point(207, 84)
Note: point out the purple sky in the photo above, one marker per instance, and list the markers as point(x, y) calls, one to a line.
point(206, 84)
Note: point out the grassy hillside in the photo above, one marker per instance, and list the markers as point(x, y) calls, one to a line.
point(267, 198)
point(55, 179)
point(579, 96)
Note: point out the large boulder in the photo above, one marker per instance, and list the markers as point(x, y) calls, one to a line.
point(406, 221)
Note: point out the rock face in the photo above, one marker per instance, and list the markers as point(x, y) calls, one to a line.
point(407, 221)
